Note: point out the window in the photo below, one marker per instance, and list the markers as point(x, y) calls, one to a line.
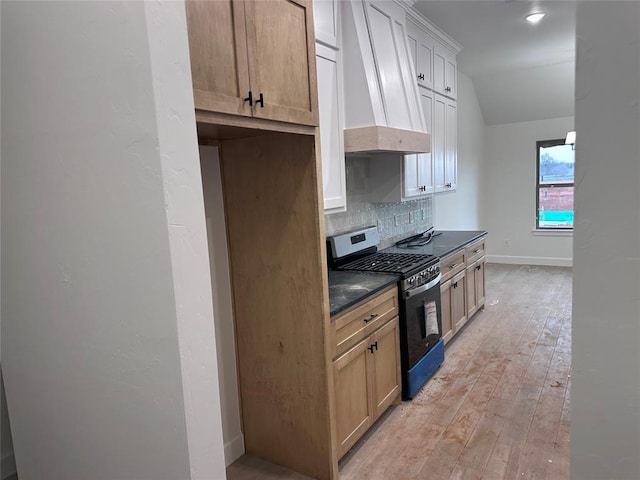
point(554, 185)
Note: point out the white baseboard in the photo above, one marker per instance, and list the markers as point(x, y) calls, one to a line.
point(8, 465)
point(546, 261)
point(233, 449)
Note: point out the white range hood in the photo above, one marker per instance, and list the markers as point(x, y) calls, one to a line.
point(383, 112)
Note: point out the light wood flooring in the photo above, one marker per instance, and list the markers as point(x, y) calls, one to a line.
point(497, 409)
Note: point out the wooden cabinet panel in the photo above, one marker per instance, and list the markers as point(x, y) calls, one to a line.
point(458, 300)
point(218, 52)
point(386, 368)
point(445, 301)
point(281, 54)
point(351, 376)
point(475, 251)
point(472, 297)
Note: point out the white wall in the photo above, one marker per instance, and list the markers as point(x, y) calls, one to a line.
point(222, 304)
point(460, 210)
point(605, 394)
point(509, 198)
point(108, 348)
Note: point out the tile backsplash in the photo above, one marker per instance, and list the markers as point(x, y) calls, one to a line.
point(395, 221)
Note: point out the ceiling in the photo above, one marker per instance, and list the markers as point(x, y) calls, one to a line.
point(520, 72)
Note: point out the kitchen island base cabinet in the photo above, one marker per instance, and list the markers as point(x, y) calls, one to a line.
point(367, 376)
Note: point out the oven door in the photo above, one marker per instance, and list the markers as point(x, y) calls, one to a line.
point(422, 321)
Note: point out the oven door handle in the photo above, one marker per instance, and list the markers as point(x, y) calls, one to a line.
point(422, 288)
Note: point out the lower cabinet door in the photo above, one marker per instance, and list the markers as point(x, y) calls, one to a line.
point(351, 374)
point(385, 355)
point(445, 301)
point(472, 293)
point(458, 301)
point(480, 277)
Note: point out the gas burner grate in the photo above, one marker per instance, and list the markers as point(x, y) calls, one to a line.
point(389, 262)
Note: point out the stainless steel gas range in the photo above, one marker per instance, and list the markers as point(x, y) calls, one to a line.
point(421, 345)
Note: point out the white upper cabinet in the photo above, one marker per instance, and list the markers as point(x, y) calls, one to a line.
point(325, 21)
point(445, 137)
point(421, 47)
point(331, 138)
point(330, 104)
point(445, 72)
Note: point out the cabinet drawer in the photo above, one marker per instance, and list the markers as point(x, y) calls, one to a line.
point(452, 264)
point(475, 251)
point(361, 320)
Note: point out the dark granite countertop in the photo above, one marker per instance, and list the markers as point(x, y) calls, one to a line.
point(443, 244)
point(348, 288)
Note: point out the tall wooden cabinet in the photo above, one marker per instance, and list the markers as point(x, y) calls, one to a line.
point(254, 58)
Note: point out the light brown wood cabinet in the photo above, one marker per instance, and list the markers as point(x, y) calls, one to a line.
point(462, 288)
point(253, 59)
point(367, 375)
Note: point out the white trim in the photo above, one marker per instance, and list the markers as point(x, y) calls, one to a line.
point(234, 449)
point(8, 465)
point(541, 232)
point(416, 17)
point(548, 261)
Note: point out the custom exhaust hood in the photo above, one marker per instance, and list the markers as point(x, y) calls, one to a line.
point(383, 112)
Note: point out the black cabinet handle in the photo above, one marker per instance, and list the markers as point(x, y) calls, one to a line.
point(250, 98)
point(448, 89)
point(448, 185)
point(455, 285)
point(478, 267)
point(260, 101)
point(372, 346)
point(370, 317)
point(421, 76)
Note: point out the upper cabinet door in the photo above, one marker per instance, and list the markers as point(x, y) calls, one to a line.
point(445, 72)
point(281, 55)
point(218, 51)
point(325, 18)
point(392, 57)
point(421, 47)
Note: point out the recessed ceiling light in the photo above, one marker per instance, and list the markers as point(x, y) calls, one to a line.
point(534, 17)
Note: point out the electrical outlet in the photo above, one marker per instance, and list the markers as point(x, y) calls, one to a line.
point(505, 242)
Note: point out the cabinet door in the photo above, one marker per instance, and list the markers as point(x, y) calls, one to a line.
point(281, 55)
point(472, 294)
point(458, 301)
point(385, 356)
point(418, 168)
point(326, 21)
point(445, 301)
point(421, 47)
point(451, 145)
point(391, 53)
point(353, 410)
point(444, 72)
point(438, 144)
point(331, 137)
point(218, 54)
point(480, 282)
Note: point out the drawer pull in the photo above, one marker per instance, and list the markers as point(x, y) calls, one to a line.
point(372, 346)
point(477, 250)
point(453, 265)
point(370, 317)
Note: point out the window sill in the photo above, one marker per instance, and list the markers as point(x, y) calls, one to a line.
point(552, 233)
